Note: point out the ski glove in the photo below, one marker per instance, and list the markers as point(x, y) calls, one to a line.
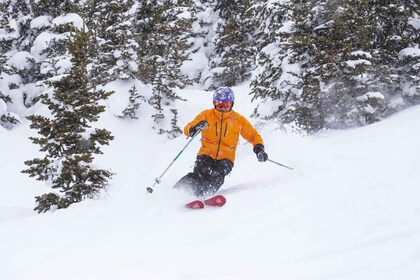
point(259, 151)
point(203, 125)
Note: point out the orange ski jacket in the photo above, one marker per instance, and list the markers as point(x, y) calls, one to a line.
point(220, 139)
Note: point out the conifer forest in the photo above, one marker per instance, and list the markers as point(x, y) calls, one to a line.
point(313, 64)
point(320, 63)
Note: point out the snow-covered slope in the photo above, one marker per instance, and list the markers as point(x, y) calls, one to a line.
point(349, 209)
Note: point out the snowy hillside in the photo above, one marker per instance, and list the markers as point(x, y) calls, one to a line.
point(349, 209)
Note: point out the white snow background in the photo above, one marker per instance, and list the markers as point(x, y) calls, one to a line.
point(349, 210)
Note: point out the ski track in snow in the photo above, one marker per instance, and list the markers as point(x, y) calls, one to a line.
point(348, 210)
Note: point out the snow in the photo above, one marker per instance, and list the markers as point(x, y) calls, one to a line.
point(354, 63)
point(5, 35)
point(362, 54)
point(415, 22)
point(396, 102)
point(61, 66)
point(287, 27)
point(41, 22)
point(70, 18)
point(21, 60)
point(348, 210)
point(43, 41)
point(119, 100)
point(371, 94)
point(206, 16)
point(415, 52)
point(193, 67)
point(185, 14)
point(3, 106)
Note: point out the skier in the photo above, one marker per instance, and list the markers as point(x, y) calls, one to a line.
point(220, 128)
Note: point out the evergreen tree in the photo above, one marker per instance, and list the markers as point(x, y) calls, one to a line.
point(67, 139)
point(163, 29)
point(7, 119)
point(6, 40)
point(296, 93)
point(134, 104)
point(350, 95)
point(22, 15)
point(342, 58)
point(55, 8)
point(52, 59)
point(270, 82)
point(331, 42)
point(114, 42)
point(20, 18)
point(202, 39)
point(397, 43)
point(356, 58)
point(236, 43)
point(410, 66)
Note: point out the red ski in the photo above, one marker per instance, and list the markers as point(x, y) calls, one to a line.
point(218, 200)
point(196, 204)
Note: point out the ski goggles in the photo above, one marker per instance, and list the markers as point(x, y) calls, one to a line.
point(223, 105)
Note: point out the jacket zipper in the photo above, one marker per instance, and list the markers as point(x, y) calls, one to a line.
point(220, 138)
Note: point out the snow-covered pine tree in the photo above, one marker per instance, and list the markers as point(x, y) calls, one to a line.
point(397, 45)
point(296, 93)
point(270, 83)
point(331, 42)
point(55, 8)
point(161, 91)
point(26, 27)
point(7, 119)
point(116, 48)
point(236, 43)
point(350, 96)
point(163, 29)
point(67, 138)
point(333, 81)
point(383, 76)
point(131, 111)
point(410, 56)
point(54, 58)
point(202, 34)
point(20, 17)
point(6, 40)
point(409, 59)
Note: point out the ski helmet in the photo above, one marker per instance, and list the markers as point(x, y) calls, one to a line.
point(223, 94)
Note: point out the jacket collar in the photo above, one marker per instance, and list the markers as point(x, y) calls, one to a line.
point(219, 114)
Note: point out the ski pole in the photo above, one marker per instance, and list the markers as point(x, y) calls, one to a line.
point(280, 164)
point(275, 162)
point(157, 180)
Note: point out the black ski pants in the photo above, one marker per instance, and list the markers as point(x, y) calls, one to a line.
point(207, 177)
